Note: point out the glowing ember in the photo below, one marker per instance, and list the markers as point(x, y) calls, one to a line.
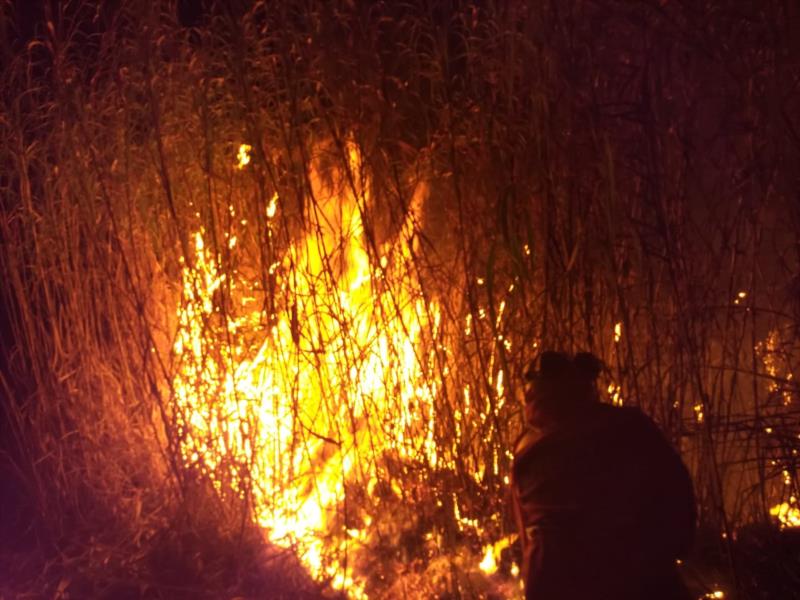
point(698, 412)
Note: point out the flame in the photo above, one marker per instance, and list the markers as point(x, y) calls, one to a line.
point(787, 515)
point(285, 410)
point(698, 413)
point(615, 393)
point(272, 207)
point(243, 156)
point(491, 554)
point(489, 564)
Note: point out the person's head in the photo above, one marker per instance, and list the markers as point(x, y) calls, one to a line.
point(560, 387)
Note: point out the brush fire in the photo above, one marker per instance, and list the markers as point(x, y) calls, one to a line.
point(273, 276)
point(334, 392)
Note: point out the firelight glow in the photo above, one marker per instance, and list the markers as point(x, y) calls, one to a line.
point(340, 378)
point(243, 156)
point(491, 554)
point(787, 515)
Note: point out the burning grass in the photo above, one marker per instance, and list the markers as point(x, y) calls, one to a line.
point(272, 280)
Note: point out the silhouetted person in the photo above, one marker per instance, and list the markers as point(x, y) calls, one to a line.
point(604, 504)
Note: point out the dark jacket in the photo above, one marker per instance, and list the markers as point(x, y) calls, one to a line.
point(607, 507)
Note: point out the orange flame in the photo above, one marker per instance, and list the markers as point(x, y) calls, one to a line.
point(787, 514)
point(341, 376)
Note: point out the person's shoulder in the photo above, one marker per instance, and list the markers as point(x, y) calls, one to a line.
point(622, 414)
point(627, 421)
point(639, 418)
point(534, 449)
point(526, 440)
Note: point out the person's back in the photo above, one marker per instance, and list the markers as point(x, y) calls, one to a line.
point(607, 507)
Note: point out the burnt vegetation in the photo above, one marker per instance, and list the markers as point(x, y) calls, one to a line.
point(618, 177)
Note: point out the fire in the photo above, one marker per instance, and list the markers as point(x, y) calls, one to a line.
point(491, 554)
point(787, 515)
point(243, 156)
point(489, 563)
point(288, 409)
point(615, 393)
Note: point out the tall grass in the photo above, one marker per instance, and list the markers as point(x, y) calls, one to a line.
point(570, 167)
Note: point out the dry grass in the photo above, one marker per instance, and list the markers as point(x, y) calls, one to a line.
point(614, 162)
